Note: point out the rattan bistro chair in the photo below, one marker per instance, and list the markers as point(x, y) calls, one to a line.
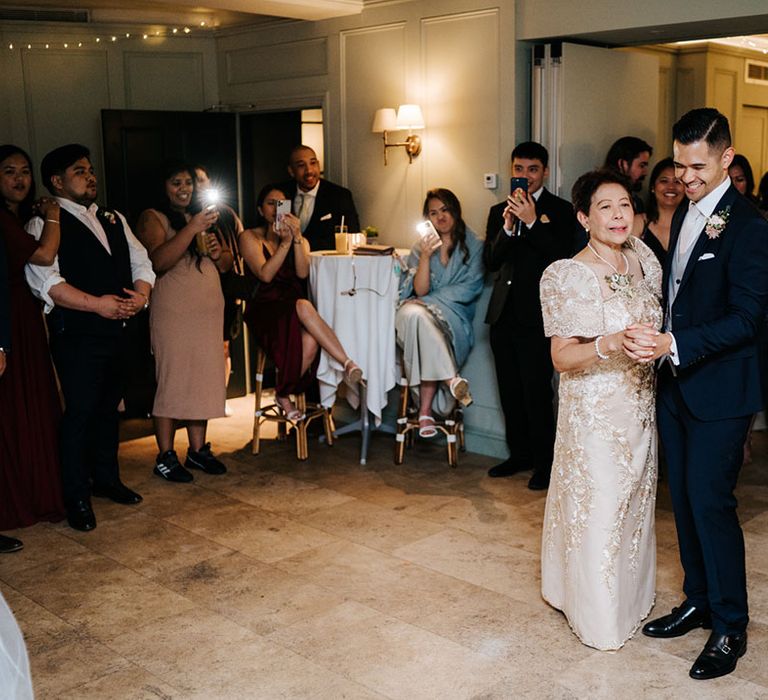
point(274, 413)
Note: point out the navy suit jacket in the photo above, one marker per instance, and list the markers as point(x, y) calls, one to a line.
point(517, 262)
point(332, 202)
point(719, 310)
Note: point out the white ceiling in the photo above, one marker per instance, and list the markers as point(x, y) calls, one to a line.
point(215, 13)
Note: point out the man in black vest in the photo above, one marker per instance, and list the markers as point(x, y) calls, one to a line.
point(101, 278)
point(320, 205)
point(524, 235)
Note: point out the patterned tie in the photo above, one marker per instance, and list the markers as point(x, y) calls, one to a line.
point(304, 211)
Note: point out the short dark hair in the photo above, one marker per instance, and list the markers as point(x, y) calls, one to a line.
point(585, 187)
point(626, 148)
point(59, 159)
point(703, 124)
point(25, 207)
point(296, 149)
point(532, 151)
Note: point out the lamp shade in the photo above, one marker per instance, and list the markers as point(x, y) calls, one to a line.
point(384, 120)
point(410, 117)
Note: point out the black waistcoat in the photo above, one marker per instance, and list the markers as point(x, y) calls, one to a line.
point(85, 264)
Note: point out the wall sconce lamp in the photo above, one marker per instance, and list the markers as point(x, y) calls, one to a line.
point(407, 117)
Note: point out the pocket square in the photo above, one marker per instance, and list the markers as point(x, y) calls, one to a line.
point(707, 256)
point(544, 219)
point(326, 217)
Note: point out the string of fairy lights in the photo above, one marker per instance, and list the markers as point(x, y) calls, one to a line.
point(106, 38)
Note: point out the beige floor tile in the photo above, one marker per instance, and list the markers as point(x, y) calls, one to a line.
point(390, 656)
point(639, 672)
point(125, 540)
point(282, 494)
point(98, 595)
point(42, 544)
point(370, 525)
point(487, 563)
point(163, 498)
point(131, 683)
point(208, 656)
point(253, 594)
point(255, 532)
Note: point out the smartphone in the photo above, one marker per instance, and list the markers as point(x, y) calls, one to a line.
point(282, 207)
point(426, 228)
point(518, 183)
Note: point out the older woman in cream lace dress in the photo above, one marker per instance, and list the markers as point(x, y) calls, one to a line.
point(599, 548)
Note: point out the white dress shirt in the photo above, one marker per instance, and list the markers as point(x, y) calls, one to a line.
point(41, 278)
point(298, 199)
point(692, 226)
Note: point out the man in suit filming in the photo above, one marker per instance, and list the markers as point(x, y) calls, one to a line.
point(525, 234)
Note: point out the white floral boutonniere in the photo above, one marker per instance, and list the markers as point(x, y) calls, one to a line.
point(109, 216)
point(717, 222)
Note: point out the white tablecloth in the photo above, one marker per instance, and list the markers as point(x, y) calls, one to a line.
point(363, 321)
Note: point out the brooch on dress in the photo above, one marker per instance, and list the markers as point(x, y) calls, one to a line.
point(717, 222)
point(621, 284)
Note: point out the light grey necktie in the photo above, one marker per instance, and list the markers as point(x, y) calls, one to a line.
point(304, 202)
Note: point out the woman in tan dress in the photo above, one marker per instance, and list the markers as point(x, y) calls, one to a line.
point(186, 317)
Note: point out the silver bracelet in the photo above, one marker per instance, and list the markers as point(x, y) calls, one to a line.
point(600, 355)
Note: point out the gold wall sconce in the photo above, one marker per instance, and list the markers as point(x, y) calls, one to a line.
point(407, 117)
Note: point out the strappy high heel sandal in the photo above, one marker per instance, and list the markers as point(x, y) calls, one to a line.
point(352, 373)
point(289, 408)
point(459, 388)
point(428, 430)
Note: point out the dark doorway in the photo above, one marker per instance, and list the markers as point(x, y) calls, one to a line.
point(266, 139)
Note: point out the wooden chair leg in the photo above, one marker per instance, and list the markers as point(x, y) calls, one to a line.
point(261, 360)
point(328, 426)
point(402, 422)
point(302, 450)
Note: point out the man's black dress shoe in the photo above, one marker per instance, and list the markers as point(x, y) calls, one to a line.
point(507, 468)
point(10, 544)
point(119, 493)
point(721, 652)
point(679, 622)
point(80, 516)
point(539, 481)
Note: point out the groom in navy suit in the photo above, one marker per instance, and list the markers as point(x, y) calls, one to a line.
point(715, 290)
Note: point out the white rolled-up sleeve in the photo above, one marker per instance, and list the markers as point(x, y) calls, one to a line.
point(141, 265)
point(41, 278)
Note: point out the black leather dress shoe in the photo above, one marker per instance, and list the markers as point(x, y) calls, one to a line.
point(10, 544)
point(539, 481)
point(80, 516)
point(679, 622)
point(721, 652)
point(119, 493)
point(507, 468)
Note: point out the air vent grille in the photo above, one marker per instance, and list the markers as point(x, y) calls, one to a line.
point(43, 14)
point(756, 72)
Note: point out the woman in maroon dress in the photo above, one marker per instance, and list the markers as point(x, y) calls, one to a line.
point(280, 317)
point(30, 480)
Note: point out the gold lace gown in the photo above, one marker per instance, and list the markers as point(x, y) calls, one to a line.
point(598, 557)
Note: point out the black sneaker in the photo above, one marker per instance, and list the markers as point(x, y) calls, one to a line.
point(169, 467)
point(205, 461)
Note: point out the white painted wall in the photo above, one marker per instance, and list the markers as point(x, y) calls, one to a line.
point(55, 96)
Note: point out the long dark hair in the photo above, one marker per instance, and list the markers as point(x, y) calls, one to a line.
point(25, 206)
point(261, 198)
point(741, 161)
point(652, 208)
point(176, 219)
point(452, 204)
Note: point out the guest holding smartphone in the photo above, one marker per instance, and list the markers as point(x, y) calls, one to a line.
point(283, 321)
point(186, 318)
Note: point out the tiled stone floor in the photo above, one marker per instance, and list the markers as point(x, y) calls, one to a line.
point(326, 579)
